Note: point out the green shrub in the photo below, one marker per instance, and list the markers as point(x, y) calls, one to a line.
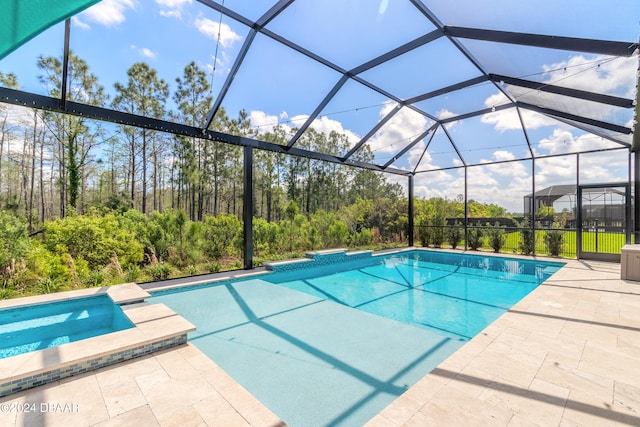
point(496, 236)
point(338, 234)
point(14, 245)
point(93, 239)
point(437, 236)
point(454, 235)
point(160, 271)
point(424, 236)
point(191, 270)
point(363, 238)
point(527, 237)
point(132, 273)
point(95, 278)
point(47, 285)
point(214, 267)
point(220, 235)
point(553, 240)
point(438, 230)
point(475, 237)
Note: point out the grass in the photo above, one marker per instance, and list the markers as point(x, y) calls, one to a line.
point(607, 242)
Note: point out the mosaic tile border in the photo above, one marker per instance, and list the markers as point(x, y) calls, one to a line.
point(318, 258)
point(89, 365)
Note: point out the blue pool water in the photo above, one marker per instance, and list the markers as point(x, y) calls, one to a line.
point(457, 294)
point(36, 327)
point(334, 345)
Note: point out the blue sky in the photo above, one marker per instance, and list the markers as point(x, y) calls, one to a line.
point(278, 86)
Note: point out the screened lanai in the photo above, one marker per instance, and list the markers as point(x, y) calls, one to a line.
point(479, 101)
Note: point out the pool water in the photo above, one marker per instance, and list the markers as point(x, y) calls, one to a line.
point(334, 345)
point(457, 294)
point(26, 329)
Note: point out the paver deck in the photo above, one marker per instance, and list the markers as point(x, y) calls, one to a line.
point(177, 387)
point(567, 355)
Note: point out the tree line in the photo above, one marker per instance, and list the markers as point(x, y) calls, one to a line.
point(51, 163)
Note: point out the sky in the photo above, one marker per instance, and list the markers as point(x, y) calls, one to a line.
point(277, 86)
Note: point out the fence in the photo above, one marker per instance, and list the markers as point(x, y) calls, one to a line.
point(516, 240)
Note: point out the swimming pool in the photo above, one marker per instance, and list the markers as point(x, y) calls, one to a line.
point(35, 327)
point(335, 344)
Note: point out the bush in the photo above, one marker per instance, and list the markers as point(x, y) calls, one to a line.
point(424, 236)
point(14, 244)
point(160, 271)
point(93, 239)
point(454, 235)
point(221, 235)
point(553, 240)
point(95, 278)
point(191, 270)
point(527, 238)
point(47, 285)
point(214, 267)
point(132, 273)
point(363, 238)
point(338, 234)
point(265, 236)
point(437, 231)
point(496, 235)
point(475, 236)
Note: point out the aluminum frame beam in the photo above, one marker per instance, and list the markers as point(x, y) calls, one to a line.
point(402, 152)
point(401, 50)
point(375, 129)
point(30, 100)
point(601, 47)
point(565, 91)
point(580, 119)
point(426, 147)
point(447, 89)
point(302, 129)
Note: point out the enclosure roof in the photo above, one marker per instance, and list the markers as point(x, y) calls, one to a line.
point(415, 85)
point(555, 190)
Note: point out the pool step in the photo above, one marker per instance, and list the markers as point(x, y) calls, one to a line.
point(318, 258)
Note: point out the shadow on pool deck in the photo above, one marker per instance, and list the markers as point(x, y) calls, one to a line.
point(311, 361)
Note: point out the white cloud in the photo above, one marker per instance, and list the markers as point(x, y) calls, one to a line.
point(172, 8)
point(263, 122)
point(445, 114)
point(211, 29)
point(599, 74)
point(109, 13)
point(507, 119)
point(510, 169)
point(615, 77)
point(171, 13)
point(147, 52)
point(173, 4)
point(563, 141)
point(79, 23)
point(326, 125)
point(400, 130)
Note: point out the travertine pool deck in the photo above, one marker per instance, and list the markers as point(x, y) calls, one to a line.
point(567, 355)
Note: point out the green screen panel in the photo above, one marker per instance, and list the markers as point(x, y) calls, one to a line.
point(21, 20)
